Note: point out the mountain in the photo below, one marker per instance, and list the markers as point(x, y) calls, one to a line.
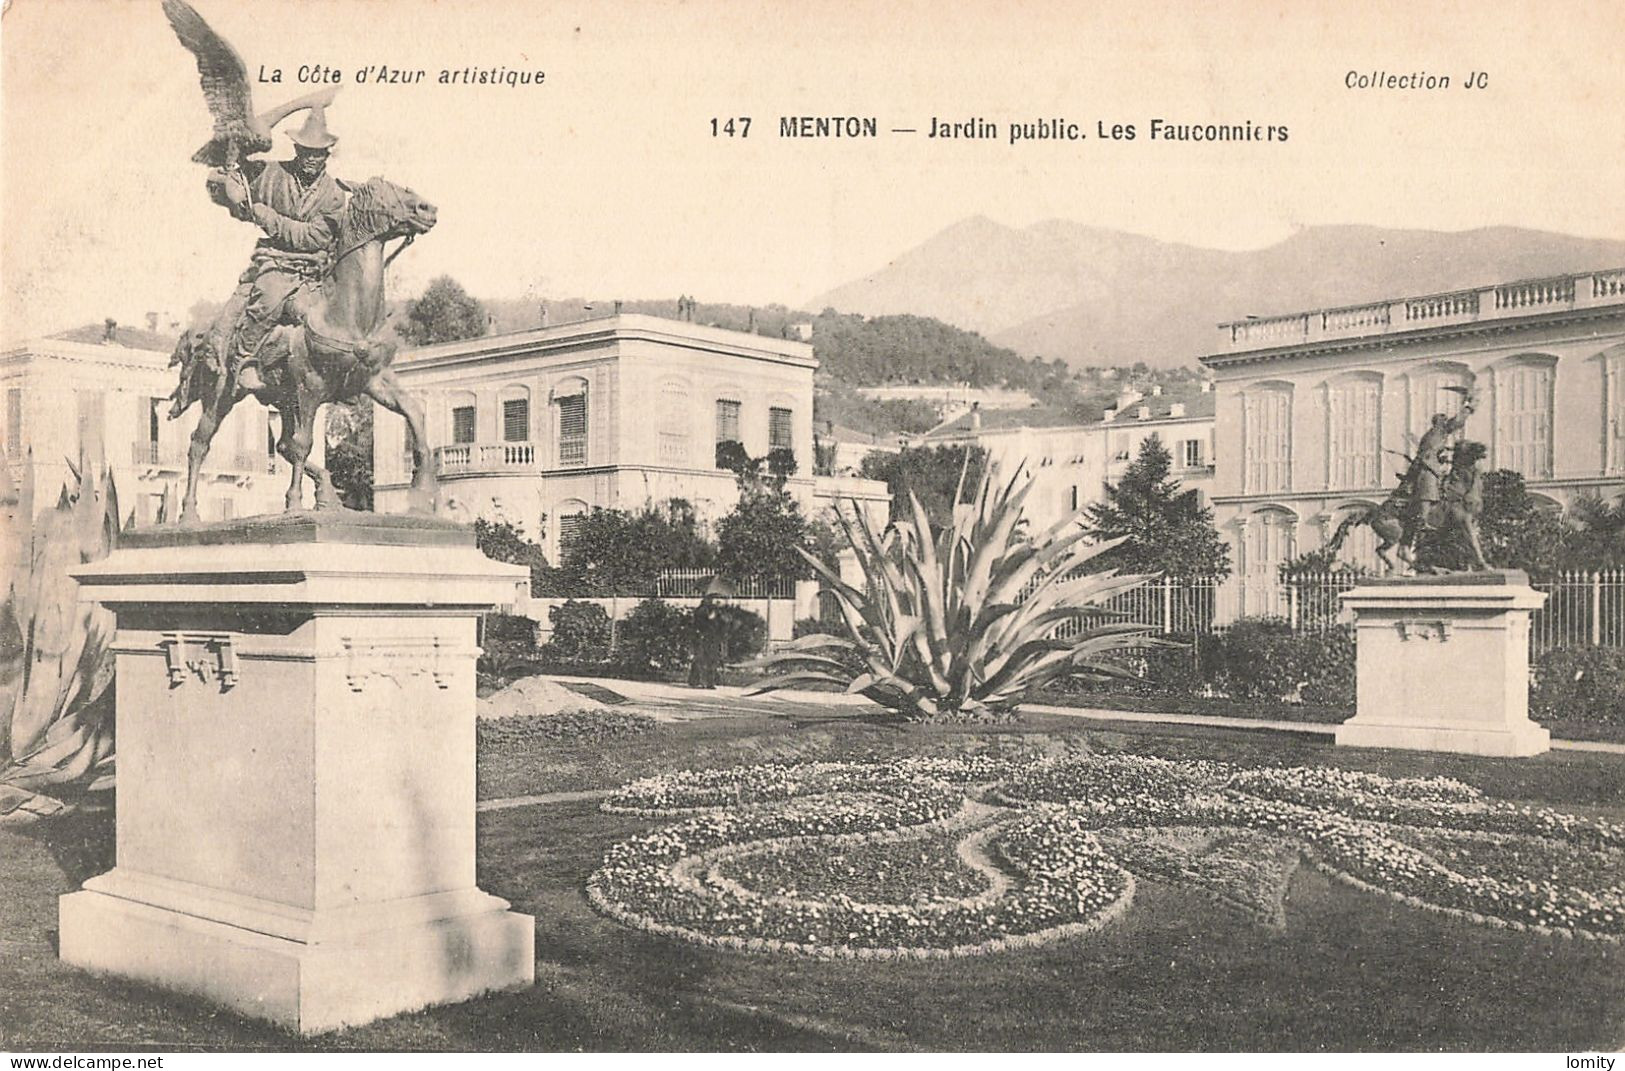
point(1093, 296)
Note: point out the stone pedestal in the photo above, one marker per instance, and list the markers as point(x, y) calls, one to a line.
point(296, 770)
point(1443, 664)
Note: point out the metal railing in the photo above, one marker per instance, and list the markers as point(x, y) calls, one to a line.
point(691, 583)
point(1582, 608)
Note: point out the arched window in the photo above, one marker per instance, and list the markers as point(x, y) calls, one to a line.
point(571, 512)
point(1354, 431)
point(1613, 378)
point(1360, 544)
point(1269, 540)
point(1523, 415)
point(1436, 388)
point(1266, 417)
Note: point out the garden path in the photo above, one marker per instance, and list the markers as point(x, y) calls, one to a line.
point(659, 696)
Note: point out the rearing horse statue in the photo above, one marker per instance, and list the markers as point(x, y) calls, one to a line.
point(332, 355)
point(1401, 520)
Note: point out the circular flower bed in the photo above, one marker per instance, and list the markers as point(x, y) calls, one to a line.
point(948, 857)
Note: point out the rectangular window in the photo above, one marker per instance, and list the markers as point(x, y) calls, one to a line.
point(728, 422)
point(1190, 453)
point(1523, 405)
point(14, 421)
point(1354, 434)
point(516, 420)
point(92, 420)
point(573, 431)
point(462, 424)
point(779, 435)
point(1267, 420)
point(727, 427)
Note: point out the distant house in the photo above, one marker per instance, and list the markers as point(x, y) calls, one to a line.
point(1071, 462)
point(843, 449)
point(539, 427)
point(950, 399)
point(1318, 411)
point(102, 390)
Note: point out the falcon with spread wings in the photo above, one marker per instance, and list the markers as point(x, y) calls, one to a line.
point(238, 131)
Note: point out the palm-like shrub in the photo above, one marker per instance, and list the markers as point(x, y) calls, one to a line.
point(56, 669)
point(962, 624)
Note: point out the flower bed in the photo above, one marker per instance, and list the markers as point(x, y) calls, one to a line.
point(567, 726)
point(902, 871)
point(898, 859)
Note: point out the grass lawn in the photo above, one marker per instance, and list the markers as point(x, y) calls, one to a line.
point(1350, 971)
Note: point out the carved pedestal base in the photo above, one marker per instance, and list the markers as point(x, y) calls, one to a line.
point(296, 771)
point(1443, 665)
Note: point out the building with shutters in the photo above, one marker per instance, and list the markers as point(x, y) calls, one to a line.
point(1317, 411)
point(537, 428)
point(103, 392)
point(1071, 462)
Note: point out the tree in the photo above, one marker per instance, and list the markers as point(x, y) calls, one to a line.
point(444, 313)
point(502, 542)
point(1165, 530)
point(349, 451)
point(615, 552)
point(1516, 532)
point(1596, 538)
point(762, 534)
point(932, 473)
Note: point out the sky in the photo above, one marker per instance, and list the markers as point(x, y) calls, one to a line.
point(606, 181)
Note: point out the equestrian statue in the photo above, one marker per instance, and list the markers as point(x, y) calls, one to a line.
point(304, 326)
point(1439, 496)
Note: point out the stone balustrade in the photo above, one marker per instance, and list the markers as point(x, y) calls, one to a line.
point(1505, 300)
point(471, 459)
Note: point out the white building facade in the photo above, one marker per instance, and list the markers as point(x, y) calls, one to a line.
point(103, 393)
point(1071, 464)
point(540, 427)
point(1318, 411)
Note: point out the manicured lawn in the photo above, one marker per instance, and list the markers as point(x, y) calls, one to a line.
point(1349, 971)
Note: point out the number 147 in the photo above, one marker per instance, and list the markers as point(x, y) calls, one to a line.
point(733, 128)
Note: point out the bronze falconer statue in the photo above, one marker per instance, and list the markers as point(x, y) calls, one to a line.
point(1440, 494)
point(305, 325)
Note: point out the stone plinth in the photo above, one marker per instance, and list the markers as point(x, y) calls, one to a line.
point(296, 770)
point(1443, 664)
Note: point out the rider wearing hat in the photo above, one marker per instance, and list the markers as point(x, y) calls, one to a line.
point(297, 204)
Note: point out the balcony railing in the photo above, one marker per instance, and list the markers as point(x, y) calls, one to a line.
point(472, 459)
point(1502, 301)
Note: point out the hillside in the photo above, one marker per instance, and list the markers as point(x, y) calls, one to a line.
point(1092, 296)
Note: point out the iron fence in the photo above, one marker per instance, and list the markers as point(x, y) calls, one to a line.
point(691, 584)
point(1582, 608)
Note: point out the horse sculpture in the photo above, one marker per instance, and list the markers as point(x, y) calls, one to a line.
point(1400, 520)
point(326, 351)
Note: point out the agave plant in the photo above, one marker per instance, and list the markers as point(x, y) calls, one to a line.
point(962, 624)
point(56, 670)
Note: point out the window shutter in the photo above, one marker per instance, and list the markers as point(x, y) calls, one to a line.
point(573, 431)
point(516, 420)
point(728, 421)
point(779, 435)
